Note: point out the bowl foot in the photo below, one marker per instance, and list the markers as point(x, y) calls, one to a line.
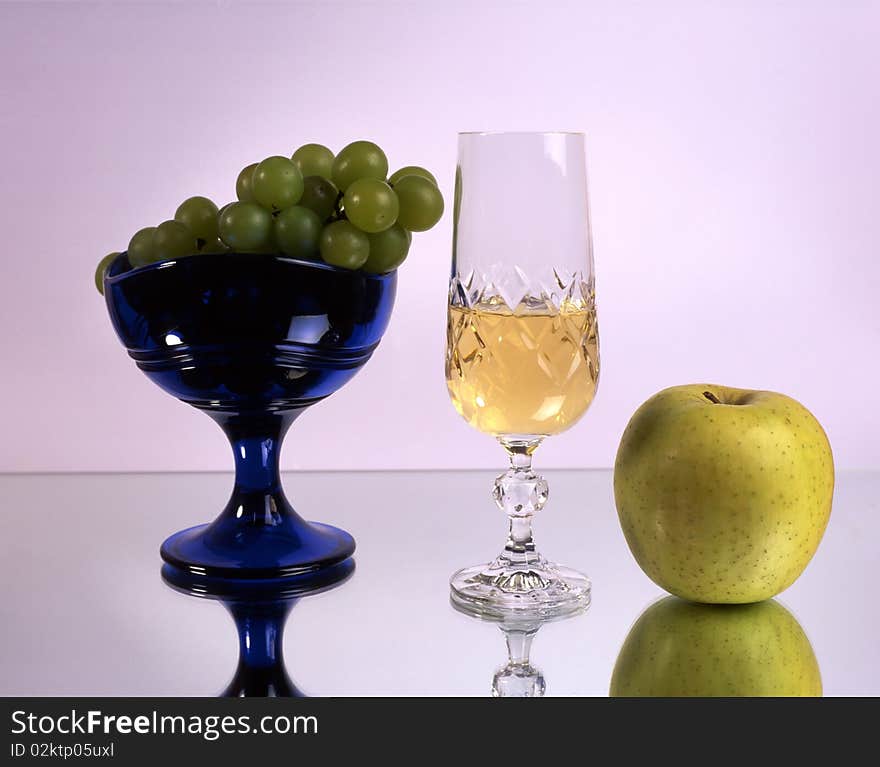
point(282, 551)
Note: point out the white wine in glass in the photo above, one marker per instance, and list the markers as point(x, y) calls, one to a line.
point(522, 355)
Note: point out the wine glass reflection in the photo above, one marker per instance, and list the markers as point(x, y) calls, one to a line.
point(517, 678)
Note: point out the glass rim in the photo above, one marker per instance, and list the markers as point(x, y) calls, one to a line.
point(522, 133)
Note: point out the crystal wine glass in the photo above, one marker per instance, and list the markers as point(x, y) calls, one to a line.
point(522, 354)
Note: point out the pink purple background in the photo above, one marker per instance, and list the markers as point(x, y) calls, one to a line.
point(733, 159)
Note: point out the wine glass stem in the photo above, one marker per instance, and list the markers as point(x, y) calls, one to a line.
point(520, 493)
point(520, 537)
point(519, 644)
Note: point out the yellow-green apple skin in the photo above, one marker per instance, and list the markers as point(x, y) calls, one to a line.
point(682, 649)
point(723, 494)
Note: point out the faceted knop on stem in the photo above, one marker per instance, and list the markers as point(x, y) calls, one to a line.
point(518, 681)
point(520, 493)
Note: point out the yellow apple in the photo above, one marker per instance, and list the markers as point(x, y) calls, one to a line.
point(723, 494)
point(679, 649)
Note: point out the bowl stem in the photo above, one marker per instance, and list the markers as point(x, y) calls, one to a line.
point(258, 534)
point(256, 446)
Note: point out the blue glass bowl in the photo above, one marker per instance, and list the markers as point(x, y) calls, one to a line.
point(253, 340)
point(260, 609)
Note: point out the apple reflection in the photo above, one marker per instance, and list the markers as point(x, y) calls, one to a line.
point(683, 649)
point(518, 678)
point(259, 610)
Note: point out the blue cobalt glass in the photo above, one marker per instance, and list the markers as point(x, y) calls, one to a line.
point(253, 340)
point(259, 609)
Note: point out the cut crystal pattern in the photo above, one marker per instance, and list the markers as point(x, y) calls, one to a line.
point(520, 493)
point(552, 287)
point(522, 363)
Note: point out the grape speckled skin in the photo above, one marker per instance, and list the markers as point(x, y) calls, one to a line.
point(682, 649)
point(723, 502)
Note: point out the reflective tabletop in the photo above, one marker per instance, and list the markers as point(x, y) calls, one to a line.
point(87, 612)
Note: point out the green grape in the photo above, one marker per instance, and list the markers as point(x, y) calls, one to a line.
point(269, 246)
point(319, 195)
point(421, 203)
point(214, 246)
point(344, 245)
point(361, 159)
point(298, 232)
point(200, 215)
point(102, 267)
point(388, 249)
point(277, 183)
point(370, 204)
point(245, 226)
point(411, 170)
point(313, 160)
point(140, 247)
point(173, 240)
point(244, 188)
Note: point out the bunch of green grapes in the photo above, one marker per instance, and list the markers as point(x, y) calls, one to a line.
point(344, 209)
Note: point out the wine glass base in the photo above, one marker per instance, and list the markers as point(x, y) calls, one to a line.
point(502, 590)
point(285, 551)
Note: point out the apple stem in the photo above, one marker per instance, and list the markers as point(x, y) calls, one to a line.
point(712, 398)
